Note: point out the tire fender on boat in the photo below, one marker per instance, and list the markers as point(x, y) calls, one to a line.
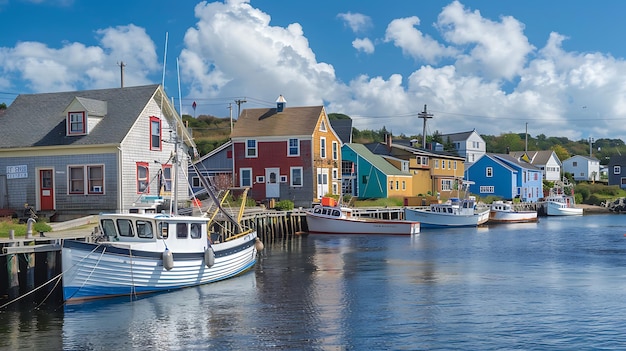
point(209, 257)
point(168, 259)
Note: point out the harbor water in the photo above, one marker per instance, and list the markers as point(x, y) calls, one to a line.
point(559, 284)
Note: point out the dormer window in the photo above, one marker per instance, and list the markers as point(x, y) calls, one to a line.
point(155, 133)
point(76, 123)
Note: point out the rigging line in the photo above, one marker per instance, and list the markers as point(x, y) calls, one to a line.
point(92, 270)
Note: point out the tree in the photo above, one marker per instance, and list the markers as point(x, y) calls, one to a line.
point(561, 152)
point(3, 106)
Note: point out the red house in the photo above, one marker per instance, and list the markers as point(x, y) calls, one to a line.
point(286, 153)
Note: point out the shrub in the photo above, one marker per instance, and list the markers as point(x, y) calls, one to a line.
point(284, 205)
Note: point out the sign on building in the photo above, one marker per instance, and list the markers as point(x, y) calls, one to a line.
point(15, 172)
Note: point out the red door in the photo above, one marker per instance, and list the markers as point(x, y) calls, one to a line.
point(46, 192)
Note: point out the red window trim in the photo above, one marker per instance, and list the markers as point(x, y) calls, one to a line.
point(147, 166)
point(69, 124)
point(160, 147)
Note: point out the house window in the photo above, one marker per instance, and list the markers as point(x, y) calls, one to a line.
point(155, 133)
point(617, 170)
point(487, 189)
point(323, 126)
point(323, 147)
point(335, 188)
point(443, 164)
point(95, 178)
point(296, 176)
point(454, 164)
point(436, 163)
point(251, 150)
point(335, 173)
point(245, 177)
point(195, 182)
point(364, 179)
point(166, 178)
point(143, 175)
point(391, 185)
point(294, 147)
point(623, 181)
point(404, 185)
point(283, 179)
point(446, 184)
point(76, 123)
point(77, 179)
point(574, 164)
point(335, 150)
point(397, 185)
point(260, 179)
point(489, 171)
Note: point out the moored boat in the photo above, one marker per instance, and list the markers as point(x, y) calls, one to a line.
point(453, 213)
point(559, 204)
point(504, 212)
point(332, 218)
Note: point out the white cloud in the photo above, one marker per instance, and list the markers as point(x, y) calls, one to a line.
point(403, 34)
point(234, 51)
point(499, 48)
point(76, 66)
point(364, 45)
point(356, 21)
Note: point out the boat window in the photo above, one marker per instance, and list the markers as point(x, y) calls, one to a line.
point(181, 230)
point(108, 227)
point(162, 232)
point(317, 210)
point(144, 229)
point(336, 213)
point(125, 227)
point(195, 230)
point(450, 210)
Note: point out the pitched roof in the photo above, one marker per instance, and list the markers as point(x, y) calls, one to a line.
point(376, 160)
point(38, 119)
point(540, 157)
point(292, 121)
point(343, 128)
point(458, 136)
point(515, 161)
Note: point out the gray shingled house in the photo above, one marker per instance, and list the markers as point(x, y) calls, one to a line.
point(83, 152)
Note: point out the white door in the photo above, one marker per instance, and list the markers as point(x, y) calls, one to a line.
point(322, 182)
point(272, 185)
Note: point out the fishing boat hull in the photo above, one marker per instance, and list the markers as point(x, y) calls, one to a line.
point(560, 209)
point(109, 269)
point(320, 224)
point(429, 219)
point(496, 216)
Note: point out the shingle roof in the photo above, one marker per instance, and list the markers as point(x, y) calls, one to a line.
point(38, 119)
point(267, 122)
point(540, 157)
point(343, 128)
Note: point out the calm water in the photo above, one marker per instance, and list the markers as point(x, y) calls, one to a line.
point(559, 284)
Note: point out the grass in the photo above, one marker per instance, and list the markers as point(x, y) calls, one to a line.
point(7, 224)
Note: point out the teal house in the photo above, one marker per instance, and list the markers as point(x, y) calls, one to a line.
point(368, 176)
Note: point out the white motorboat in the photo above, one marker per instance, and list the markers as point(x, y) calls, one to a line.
point(505, 212)
point(453, 213)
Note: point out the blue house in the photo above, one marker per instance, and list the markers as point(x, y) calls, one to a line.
point(506, 177)
point(217, 166)
point(367, 175)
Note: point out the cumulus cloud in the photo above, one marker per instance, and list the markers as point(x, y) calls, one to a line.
point(356, 21)
point(403, 34)
point(233, 50)
point(76, 66)
point(364, 45)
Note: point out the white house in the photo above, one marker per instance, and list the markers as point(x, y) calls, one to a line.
point(582, 167)
point(469, 145)
point(546, 160)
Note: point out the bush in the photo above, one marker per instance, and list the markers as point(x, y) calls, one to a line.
point(284, 205)
point(594, 199)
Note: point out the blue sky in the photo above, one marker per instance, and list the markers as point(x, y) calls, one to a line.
point(493, 66)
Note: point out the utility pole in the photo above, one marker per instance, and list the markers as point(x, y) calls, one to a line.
point(238, 102)
point(424, 115)
point(122, 65)
point(230, 110)
point(526, 144)
point(590, 146)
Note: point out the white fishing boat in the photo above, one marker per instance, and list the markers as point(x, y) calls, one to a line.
point(453, 213)
point(505, 212)
point(559, 204)
point(144, 251)
point(331, 218)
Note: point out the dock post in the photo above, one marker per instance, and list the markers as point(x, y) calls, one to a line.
point(13, 265)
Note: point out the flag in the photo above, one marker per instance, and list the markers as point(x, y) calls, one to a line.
point(525, 158)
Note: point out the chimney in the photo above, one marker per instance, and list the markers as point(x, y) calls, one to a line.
point(280, 103)
point(388, 141)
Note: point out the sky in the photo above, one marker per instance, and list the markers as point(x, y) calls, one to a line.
point(556, 68)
